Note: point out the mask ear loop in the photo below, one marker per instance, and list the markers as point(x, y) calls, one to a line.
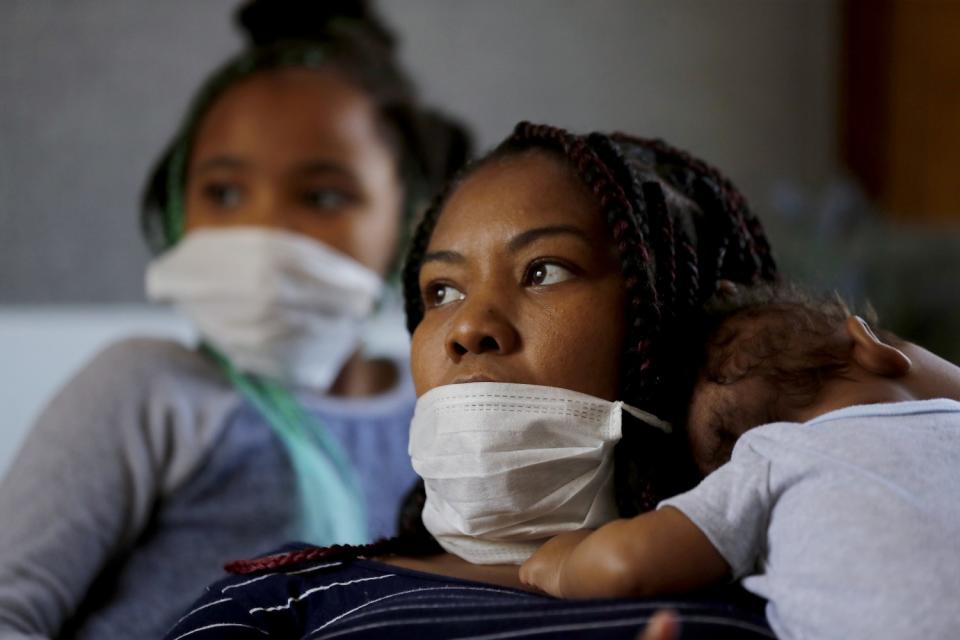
point(647, 418)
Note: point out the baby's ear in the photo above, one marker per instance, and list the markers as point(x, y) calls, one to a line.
point(872, 353)
point(726, 288)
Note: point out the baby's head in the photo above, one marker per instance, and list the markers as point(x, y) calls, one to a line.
point(778, 354)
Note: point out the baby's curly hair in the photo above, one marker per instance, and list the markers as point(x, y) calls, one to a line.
point(789, 338)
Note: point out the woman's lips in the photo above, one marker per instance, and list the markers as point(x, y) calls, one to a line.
point(477, 378)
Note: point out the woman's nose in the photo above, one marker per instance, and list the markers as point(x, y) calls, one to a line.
point(481, 328)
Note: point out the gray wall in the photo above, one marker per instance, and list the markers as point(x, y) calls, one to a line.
point(90, 90)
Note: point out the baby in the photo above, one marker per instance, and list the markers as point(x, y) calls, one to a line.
point(842, 509)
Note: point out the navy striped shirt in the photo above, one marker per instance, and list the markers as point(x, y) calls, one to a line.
point(360, 599)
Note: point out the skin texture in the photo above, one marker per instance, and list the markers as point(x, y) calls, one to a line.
point(518, 255)
point(663, 552)
point(656, 553)
point(301, 150)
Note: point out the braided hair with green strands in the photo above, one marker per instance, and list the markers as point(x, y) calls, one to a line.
point(347, 37)
point(680, 228)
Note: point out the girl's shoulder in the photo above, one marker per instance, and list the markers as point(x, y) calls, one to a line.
point(138, 360)
point(150, 401)
point(137, 377)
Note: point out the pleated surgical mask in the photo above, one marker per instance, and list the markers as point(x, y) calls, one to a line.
point(275, 303)
point(507, 466)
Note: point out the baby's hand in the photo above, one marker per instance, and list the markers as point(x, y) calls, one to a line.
point(544, 569)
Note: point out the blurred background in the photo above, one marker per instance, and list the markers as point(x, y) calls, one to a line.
point(840, 120)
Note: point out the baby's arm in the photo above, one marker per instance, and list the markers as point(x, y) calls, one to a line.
point(656, 553)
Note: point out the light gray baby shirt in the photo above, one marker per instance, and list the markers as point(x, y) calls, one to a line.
point(848, 524)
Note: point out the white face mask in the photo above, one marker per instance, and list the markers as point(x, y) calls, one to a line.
point(276, 303)
point(507, 466)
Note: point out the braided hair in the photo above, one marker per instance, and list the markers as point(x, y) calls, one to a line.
point(679, 227)
point(345, 35)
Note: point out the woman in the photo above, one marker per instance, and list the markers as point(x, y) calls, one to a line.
point(277, 213)
point(547, 293)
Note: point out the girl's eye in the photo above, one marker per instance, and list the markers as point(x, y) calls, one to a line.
point(223, 195)
point(325, 199)
point(546, 273)
point(438, 295)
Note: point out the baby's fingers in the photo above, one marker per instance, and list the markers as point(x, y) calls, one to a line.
point(662, 626)
point(537, 572)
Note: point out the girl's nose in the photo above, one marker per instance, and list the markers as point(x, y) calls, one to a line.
point(481, 327)
point(264, 209)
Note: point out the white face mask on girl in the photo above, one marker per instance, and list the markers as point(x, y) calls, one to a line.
point(275, 303)
point(507, 466)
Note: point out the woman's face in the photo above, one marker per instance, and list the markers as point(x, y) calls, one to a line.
point(521, 283)
point(298, 150)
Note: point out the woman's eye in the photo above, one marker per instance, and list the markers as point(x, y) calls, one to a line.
point(438, 295)
point(545, 273)
point(223, 195)
point(326, 199)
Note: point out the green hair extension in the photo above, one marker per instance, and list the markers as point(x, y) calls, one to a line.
point(332, 503)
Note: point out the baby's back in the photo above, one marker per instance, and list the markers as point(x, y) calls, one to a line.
point(857, 519)
point(864, 532)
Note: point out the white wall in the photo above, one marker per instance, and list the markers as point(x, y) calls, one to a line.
point(42, 347)
point(92, 89)
point(747, 84)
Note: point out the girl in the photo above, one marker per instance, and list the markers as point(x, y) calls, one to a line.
point(546, 292)
point(276, 212)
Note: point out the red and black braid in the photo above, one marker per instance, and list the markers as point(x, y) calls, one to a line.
point(647, 464)
point(731, 205)
point(290, 558)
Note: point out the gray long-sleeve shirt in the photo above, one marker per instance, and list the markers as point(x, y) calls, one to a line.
point(145, 473)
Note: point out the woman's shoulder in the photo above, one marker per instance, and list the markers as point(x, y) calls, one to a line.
point(311, 595)
point(364, 598)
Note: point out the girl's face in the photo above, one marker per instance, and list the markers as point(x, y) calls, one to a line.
point(521, 283)
point(298, 150)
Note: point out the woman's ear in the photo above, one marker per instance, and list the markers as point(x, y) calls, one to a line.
point(872, 353)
